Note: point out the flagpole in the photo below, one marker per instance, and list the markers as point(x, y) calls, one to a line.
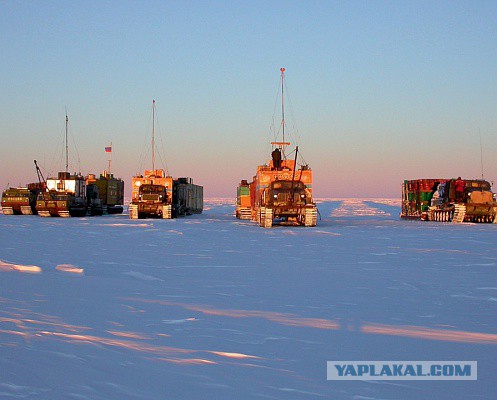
point(110, 156)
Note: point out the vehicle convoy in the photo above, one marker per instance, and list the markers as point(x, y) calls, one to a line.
point(67, 195)
point(157, 195)
point(76, 196)
point(21, 200)
point(449, 200)
point(281, 190)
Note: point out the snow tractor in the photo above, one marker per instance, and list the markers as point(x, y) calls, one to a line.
point(20, 200)
point(65, 196)
point(278, 194)
point(157, 195)
point(151, 195)
point(281, 190)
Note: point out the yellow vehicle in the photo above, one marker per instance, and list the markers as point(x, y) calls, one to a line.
point(21, 200)
point(110, 191)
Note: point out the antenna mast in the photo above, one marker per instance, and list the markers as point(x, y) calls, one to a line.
point(481, 154)
point(153, 136)
point(282, 145)
point(283, 101)
point(110, 156)
point(67, 146)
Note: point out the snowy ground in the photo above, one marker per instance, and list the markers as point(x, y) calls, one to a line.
point(209, 307)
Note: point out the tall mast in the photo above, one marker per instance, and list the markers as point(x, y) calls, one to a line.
point(67, 147)
point(283, 101)
point(153, 136)
point(481, 154)
point(282, 145)
point(110, 156)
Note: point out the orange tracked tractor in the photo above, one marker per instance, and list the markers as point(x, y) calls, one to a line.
point(157, 195)
point(281, 190)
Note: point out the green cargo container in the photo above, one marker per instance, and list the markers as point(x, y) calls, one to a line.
point(426, 196)
point(424, 206)
point(243, 191)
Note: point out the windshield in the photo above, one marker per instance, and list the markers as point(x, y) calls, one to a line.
point(152, 189)
point(287, 192)
point(287, 185)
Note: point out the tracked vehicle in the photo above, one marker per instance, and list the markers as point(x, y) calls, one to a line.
point(68, 196)
point(110, 191)
point(151, 195)
point(437, 200)
point(64, 196)
point(21, 200)
point(157, 195)
point(281, 190)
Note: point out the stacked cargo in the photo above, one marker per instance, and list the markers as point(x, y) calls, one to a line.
point(188, 198)
point(243, 210)
point(439, 200)
point(416, 197)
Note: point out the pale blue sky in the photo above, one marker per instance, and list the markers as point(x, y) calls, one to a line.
point(381, 91)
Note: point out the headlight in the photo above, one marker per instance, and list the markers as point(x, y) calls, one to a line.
point(275, 196)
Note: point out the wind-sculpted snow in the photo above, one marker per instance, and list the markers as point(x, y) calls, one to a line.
point(72, 269)
point(30, 269)
point(357, 208)
point(211, 307)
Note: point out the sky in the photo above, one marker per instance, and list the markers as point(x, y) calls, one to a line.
point(379, 91)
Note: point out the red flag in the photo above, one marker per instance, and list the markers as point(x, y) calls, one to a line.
point(108, 149)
